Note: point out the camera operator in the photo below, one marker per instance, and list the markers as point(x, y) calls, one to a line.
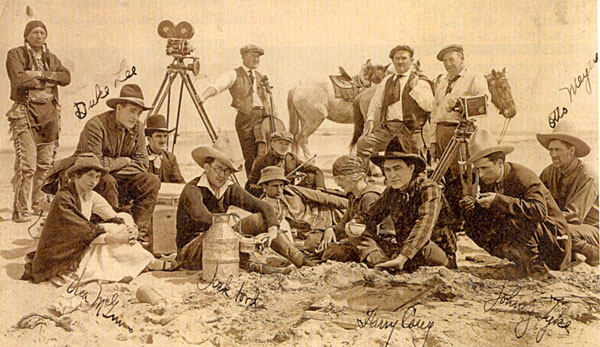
point(250, 99)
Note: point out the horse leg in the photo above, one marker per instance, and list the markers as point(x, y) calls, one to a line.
point(311, 116)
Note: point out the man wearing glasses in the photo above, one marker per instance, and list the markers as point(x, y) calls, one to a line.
point(210, 194)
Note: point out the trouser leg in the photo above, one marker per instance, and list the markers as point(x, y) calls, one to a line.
point(585, 241)
point(45, 157)
point(376, 141)
point(430, 255)
point(25, 163)
point(244, 126)
point(369, 251)
point(107, 188)
point(142, 188)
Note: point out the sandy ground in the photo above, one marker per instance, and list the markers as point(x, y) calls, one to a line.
point(457, 308)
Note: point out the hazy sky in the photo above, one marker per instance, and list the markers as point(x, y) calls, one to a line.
point(544, 45)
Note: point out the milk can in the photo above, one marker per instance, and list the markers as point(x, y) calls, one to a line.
point(221, 249)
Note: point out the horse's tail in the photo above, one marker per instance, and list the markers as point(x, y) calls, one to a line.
point(294, 123)
point(359, 122)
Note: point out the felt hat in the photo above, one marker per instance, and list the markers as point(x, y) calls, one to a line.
point(282, 135)
point(155, 123)
point(86, 161)
point(395, 150)
point(272, 173)
point(481, 145)
point(408, 49)
point(455, 47)
point(32, 25)
point(251, 48)
point(131, 93)
point(563, 131)
point(217, 150)
point(348, 165)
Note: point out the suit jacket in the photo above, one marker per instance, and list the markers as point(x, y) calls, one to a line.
point(169, 169)
point(524, 205)
point(102, 136)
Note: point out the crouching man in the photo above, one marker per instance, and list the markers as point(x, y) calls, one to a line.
point(414, 203)
point(515, 217)
point(209, 194)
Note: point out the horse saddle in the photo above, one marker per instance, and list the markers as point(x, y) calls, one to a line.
point(345, 86)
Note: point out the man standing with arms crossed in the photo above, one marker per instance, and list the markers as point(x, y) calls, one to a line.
point(248, 97)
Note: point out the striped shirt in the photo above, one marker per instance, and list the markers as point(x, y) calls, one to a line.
point(414, 211)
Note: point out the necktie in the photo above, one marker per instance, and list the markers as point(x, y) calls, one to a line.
point(451, 84)
point(251, 76)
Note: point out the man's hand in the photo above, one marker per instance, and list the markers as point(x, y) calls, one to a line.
point(328, 237)
point(269, 236)
point(450, 104)
point(368, 127)
point(396, 263)
point(467, 203)
point(486, 199)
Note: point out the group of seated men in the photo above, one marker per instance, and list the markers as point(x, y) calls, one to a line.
point(536, 222)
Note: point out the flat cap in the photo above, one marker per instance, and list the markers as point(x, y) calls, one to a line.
point(282, 135)
point(453, 47)
point(406, 48)
point(251, 48)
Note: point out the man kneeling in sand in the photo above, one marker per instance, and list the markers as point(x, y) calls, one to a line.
point(208, 194)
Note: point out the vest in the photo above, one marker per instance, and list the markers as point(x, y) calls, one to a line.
point(241, 91)
point(414, 116)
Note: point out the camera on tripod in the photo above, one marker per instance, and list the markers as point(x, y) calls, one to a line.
point(471, 107)
point(178, 45)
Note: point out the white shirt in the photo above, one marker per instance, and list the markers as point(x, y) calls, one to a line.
point(226, 81)
point(421, 93)
point(93, 202)
point(203, 182)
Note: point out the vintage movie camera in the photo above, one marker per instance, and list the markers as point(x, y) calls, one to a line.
point(178, 44)
point(471, 107)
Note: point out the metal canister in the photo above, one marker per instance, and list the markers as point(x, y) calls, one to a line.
point(220, 249)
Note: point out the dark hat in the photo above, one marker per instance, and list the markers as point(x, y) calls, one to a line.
point(347, 165)
point(272, 173)
point(282, 135)
point(563, 131)
point(395, 150)
point(453, 47)
point(131, 93)
point(86, 161)
point(32, 25)
point(481, 145)
point(217, 151)
point(251, 48)
point(155, 123)
point(408, 49)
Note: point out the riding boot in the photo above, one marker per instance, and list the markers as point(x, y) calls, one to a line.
point(282, 245)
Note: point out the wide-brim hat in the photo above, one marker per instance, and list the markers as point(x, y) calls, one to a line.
point(217, 151)
point(131, 93)
point(86, 161)
point(562, 131)
point(251, 48)
point(272, 173)
point(157, 122)
point(481, 145)
point(395, 150)
point(455, 47)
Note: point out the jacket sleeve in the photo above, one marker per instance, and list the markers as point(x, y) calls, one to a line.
point(579, 205)
point(91, 140)
point(16, 72)
point(377, 212)
point(139, 156)
point(61, 76)
point(532, 206)
point(192, 203)
point(176, 176)
point(253, 178)
point(244, 200)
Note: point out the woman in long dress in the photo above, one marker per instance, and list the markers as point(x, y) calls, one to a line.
point(71, 247)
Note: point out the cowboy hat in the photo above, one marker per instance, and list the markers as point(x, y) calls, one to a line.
point(272, 173)
point(455, 47)
point(481, 145)
point(131, 93)
point(155, 123)
point(86, 161)
point(216, 151)
point(395, 150)
point(562, 132)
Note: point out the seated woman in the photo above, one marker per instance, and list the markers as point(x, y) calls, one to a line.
point(72, 247)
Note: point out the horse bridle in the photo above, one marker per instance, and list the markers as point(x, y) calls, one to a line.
point(505, 101)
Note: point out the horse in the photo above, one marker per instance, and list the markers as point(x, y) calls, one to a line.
point(497, 84)
point(311, 102)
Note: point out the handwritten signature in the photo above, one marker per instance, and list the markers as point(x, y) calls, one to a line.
point(99, 303)
point(223, 287)
point(374, 322)
point(81, 107)
point(580, 79)
point(556, 115)
point(550, 317)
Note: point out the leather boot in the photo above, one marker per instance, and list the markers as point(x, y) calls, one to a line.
point(283, 246)
point(591, 254)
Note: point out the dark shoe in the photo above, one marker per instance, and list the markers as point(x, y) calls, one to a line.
point(538, 271)
point(21, 217)
point(591, 254)
point(451, 261)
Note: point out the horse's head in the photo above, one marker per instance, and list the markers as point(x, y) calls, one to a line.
point(501, 93)
point(373, 73)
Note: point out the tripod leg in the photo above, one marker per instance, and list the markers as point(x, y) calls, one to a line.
point(203, 116)
point(178, 115)
point(160, 97)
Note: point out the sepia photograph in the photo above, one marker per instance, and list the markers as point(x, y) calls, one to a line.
point(299, 173)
